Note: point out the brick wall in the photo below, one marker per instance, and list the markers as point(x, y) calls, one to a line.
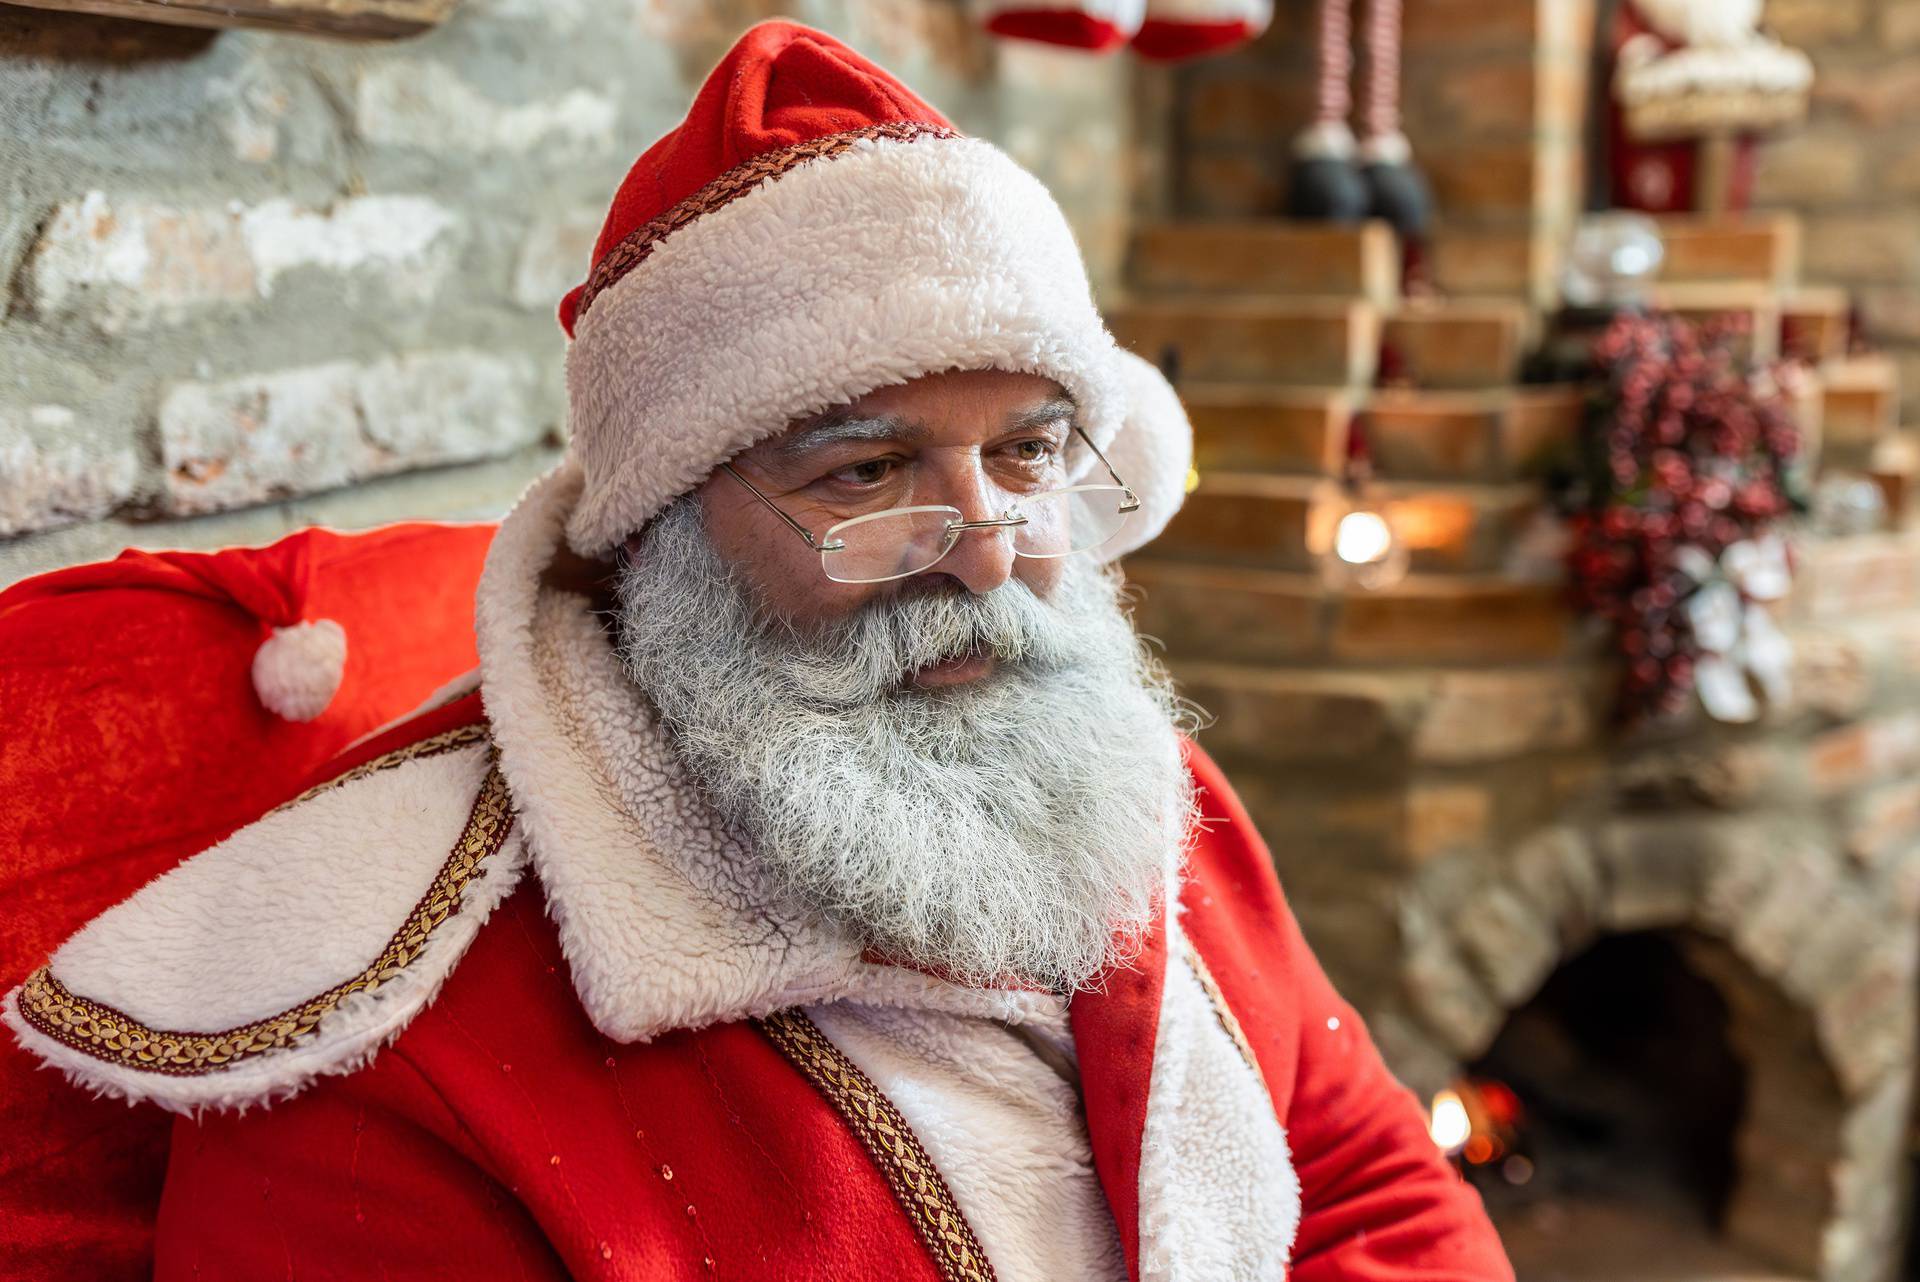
point(253, 281)
point(1493, 94)
point(1854, 170)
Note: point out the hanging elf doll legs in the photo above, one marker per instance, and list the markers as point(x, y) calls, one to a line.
point(1337, 178)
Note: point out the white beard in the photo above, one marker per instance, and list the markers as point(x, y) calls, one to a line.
point(1021, 828)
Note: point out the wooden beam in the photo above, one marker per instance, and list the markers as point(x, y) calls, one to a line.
point(346, 19)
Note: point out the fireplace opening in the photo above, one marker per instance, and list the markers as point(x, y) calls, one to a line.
point(1603, 1126)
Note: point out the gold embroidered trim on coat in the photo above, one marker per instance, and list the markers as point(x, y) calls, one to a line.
point(1221, 1010)
point(736, 182)
point(109, 1035)
point(884, 1133)
point(431, 746)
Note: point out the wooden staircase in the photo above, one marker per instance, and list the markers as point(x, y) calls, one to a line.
point(1279, 334)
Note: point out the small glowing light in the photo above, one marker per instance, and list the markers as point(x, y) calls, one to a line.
point(1450, 1126)
point(1480, 1150)
point(1193, 479)
point(1633, 259)
point(1363, 538)
point(1517, 1170)
point(1333, 1023)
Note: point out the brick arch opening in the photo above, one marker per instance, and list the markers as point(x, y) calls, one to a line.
point(1676, 1116)
point(1811, 968)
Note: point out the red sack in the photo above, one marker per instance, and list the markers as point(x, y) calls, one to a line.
point(132, 735)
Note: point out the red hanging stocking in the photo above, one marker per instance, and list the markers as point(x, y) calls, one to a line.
point(1094, 25)
point(1177, 29)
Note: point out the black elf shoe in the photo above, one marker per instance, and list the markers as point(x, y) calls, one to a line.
point(1323, 185)
point(1397, 191)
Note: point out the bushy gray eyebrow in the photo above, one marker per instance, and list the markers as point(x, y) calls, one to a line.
point(836, 427)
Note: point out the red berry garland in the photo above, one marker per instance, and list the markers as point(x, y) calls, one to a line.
point(1687, 445)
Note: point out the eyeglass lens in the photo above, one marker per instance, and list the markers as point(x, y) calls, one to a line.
point(892, 545)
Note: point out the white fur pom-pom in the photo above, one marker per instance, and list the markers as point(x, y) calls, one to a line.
point(298, 668)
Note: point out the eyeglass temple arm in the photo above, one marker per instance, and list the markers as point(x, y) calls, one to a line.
point(1133, 500)
point(792, 524)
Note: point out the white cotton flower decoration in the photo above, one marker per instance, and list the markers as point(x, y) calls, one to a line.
point(1740, 645)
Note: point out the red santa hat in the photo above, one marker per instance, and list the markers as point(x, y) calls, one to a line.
point(812, 231)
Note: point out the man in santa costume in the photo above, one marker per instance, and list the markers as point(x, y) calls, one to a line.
point(813, 881)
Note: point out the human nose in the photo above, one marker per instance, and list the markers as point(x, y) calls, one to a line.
point(982, 558)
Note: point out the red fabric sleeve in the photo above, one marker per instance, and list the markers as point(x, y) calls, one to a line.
point(1379, 1203)
point(362, 1177)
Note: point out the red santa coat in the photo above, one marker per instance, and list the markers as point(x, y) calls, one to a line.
point(523, 1082)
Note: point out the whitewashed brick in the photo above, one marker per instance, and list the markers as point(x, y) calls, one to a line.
point(45, 485)
point(128, 263)
point(426, 104)
point(252, 440)
point(398, 234)
point(554, 257)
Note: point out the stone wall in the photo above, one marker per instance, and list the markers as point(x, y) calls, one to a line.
point(1854, 171)
point(253, 281)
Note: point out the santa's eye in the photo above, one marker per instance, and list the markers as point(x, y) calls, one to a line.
point(866, 472)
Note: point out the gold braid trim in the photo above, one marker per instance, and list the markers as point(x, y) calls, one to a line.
point(1221, 1010)
point(884, 1133)
point(766, 167)
point(107, 1034)
point(431, 746)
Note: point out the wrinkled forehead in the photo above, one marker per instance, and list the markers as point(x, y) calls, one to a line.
point(928, 422)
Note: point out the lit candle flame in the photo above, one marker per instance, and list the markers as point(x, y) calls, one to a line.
point(1450, 1126)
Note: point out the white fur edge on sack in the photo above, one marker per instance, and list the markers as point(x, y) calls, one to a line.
point(1152, 452)
point(866, 269)
point(278, 913)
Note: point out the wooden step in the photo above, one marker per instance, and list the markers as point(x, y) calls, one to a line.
point(1471, 436)
point(1761, 248)
point(1456, 342)
point(1493, 435)
point(1247, 427)
point(1471, 261)
point(1275, 522)
point(1304, 342)
point(1706, 301)
point(1307, 715)
point(1814, 323)
point(1233, 615)
point(1266, 257)
point(1859, 405)
point(1895, 467)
